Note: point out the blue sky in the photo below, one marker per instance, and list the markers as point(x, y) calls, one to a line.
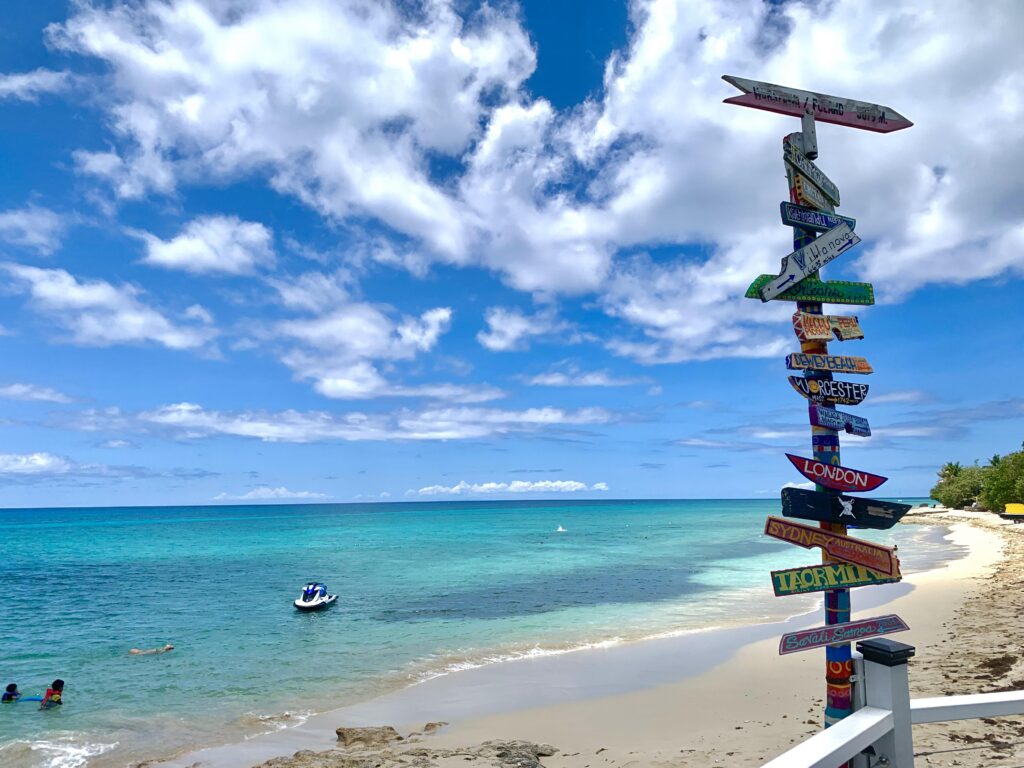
point(343, 252)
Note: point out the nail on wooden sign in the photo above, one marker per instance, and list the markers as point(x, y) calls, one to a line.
point(874, 556)
point(808, 327)
point(837, 634)
point(834, 476)
point(804, 262)
point(824, 291)
point(827, 109)
point(804, 361)
point(794, 215)
point(826, 390)
point(847, 510)
point(830, 418)
point(819, 578)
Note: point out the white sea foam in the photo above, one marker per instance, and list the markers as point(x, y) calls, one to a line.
point(69, 751)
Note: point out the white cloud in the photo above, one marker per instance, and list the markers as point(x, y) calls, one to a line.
point(516, 486)
point(266, 493)
point(28, 86)
point(808, 486)
point(117, 444)
point(32, 227)
point(41, 463)
point(98, 313)
point(509, 329)
point(903, 396)
point(20, 391)
point(574, 377)
point(213, 244)
point(191, 421)
point(313, 291)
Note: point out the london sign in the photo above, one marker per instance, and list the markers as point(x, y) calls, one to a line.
point(835, 477)
point(835, 634)
point(848, 510)
point(877, 557)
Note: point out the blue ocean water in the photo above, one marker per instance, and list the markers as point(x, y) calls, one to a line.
point(425, 589)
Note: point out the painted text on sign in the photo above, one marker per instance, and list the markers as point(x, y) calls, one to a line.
point(808, 327)
point(830, 418)
point(798, 361)
point(825, 390)
point(824, 291)
point(847, 632)
point(818, 578)
point(834, 476)
point(874, 556)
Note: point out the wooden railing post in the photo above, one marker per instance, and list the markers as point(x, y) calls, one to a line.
point(886, 687)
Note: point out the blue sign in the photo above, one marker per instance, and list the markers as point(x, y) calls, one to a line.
point(794, 215)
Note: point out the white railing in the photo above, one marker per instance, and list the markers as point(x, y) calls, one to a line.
point(879, 732)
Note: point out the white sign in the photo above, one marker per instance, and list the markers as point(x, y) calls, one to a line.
point(796, 158)
point(809, 259)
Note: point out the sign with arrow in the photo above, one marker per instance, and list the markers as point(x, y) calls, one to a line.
point(806, 193)
point(827, 109)
point(848, 510)
point(826, 390)
point(795, 157)
point(877, 557)
point(804, 262)
point(801, 216)
point(837, 634)
point(823, 291)
point(835, 477)
point(818, 578)
point(810, 327)
point(804, 361)
point(830, 418)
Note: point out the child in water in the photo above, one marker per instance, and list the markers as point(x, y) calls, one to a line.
point(54, 695)
point(11, 695)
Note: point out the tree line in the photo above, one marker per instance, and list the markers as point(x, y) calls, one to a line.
point(991, 486)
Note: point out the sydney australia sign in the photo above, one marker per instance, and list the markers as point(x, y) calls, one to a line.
point(836, 634)
point(819, 578)
point(877, 557)
point(835, 477)
point(849, 510)
point(827, 109)
point(826, 390)
point(805, 261)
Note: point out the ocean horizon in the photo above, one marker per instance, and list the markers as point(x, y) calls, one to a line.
point(425, 589)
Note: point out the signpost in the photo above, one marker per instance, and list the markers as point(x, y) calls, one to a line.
point(811, 210)
point(794, 215)
point(826, 390)
point(805, 261)
point(811, 290)
point(808, 327)
point(830, 418)
point(827, 109)
point(805, 640)
point(835, 477)
point(818, 578)
point(847, 510)
point(798, 361)
point(874, 556)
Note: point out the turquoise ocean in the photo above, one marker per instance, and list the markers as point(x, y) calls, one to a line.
point(424, 590)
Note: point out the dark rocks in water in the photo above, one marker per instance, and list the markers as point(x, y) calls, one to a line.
point(369, 737)
point(490, 754)
point(431, 727)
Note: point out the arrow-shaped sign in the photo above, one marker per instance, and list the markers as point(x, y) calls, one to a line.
point(803, 361)
point(849, 510)
point(874, 556)
point(827, 390)
point(795, 157)
point(806, 193)
point(830, 418)
point(833, 476)
point(827, 109)
point(819, 578)
point(794, 215)
point(823, 291)
point(810, 327)
point(805, 261)
point(837, 634)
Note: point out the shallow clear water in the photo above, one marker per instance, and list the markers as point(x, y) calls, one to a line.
point(424, 589)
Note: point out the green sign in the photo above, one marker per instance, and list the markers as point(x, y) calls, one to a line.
point(818, 578)
point(827, 291)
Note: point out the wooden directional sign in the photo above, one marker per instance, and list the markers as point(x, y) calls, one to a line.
point(835, 477)
point(805, 261)
point(851, 510)
point(795, 157)
point(837, 634)
point(825, 390)
point(818, 578)
point(874, 556)
point(826, 292)
point(830, 418)
point(806, 193)
point(808, 327)
point(827, 109)
point(794, 215)
point(803, 361)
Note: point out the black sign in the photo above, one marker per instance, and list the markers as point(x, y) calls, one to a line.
point(848, 510)
point(826, 390)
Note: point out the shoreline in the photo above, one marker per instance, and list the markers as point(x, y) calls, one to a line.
point(507, 699)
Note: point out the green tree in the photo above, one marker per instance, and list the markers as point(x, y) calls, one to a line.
point(959, 488)
point(1004, 482)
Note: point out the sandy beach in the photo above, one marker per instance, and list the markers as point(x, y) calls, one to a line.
point(723, 697)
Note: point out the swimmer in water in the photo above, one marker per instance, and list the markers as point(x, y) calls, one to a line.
point(137, 652)
point(54, 695)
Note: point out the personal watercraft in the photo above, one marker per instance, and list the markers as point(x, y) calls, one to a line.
point(314, 597)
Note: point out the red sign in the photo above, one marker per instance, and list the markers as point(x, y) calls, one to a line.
point(837, 634)
point(835, 477)
point(874, 556)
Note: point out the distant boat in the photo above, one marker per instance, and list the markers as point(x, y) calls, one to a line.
point(560, 529)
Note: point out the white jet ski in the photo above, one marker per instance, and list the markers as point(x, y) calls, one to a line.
point(314, 597)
